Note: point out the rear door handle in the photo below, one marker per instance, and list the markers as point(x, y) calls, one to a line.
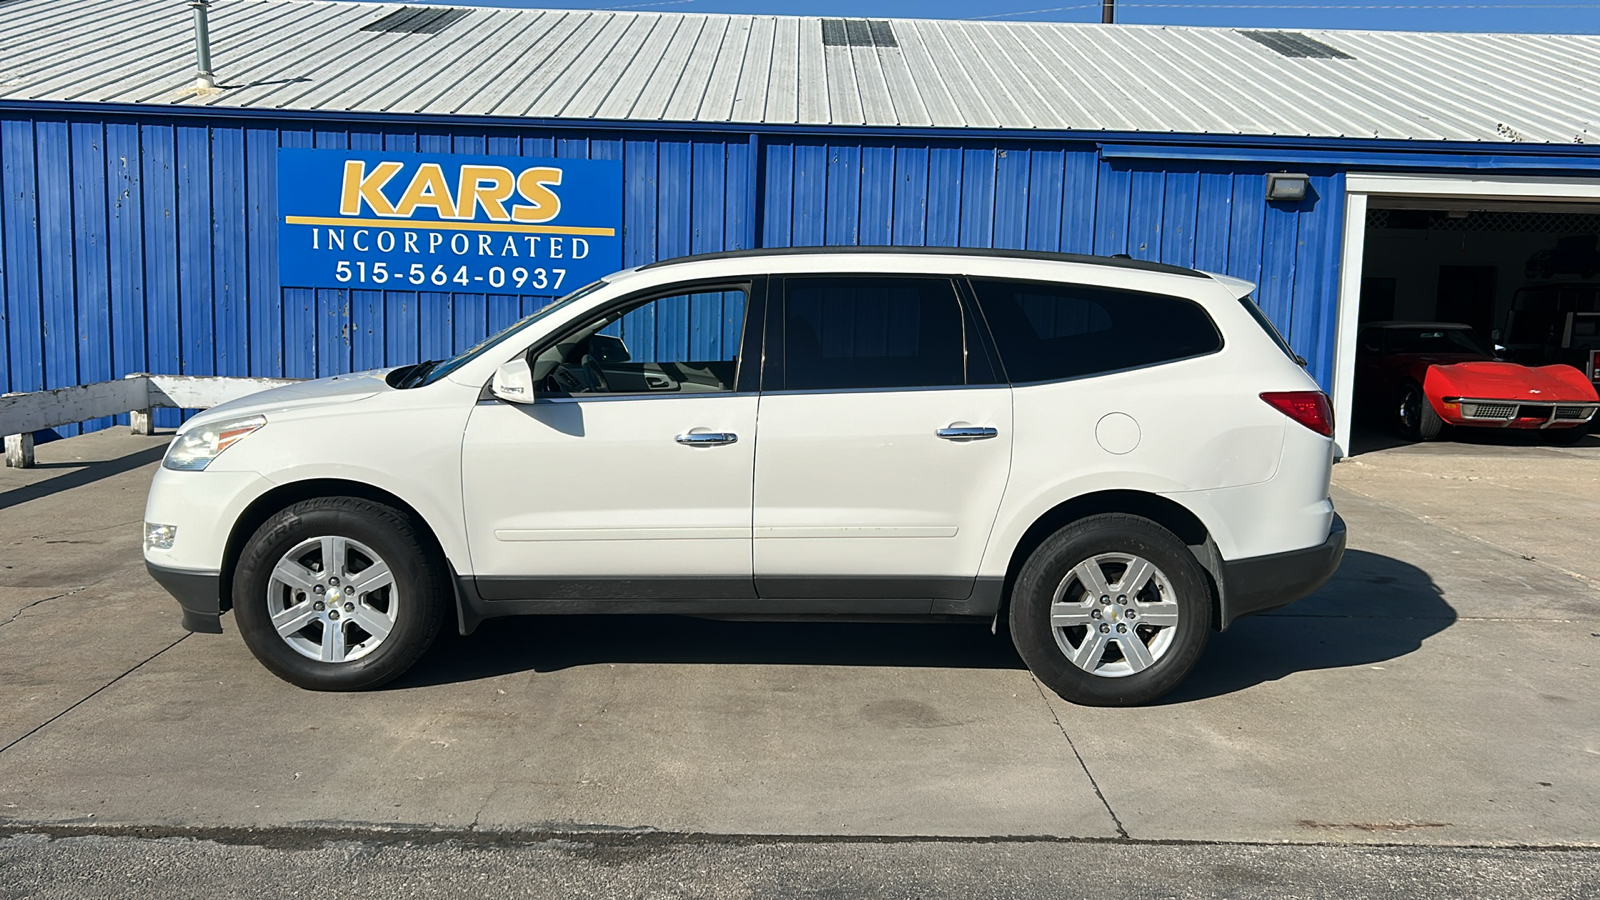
point(707, 438)
point(967, 432)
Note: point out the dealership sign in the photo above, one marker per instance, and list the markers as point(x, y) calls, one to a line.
point(446, 222)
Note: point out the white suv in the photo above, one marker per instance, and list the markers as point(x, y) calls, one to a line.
point(1114, 457)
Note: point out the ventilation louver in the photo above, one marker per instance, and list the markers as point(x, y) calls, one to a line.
point(420, 20)
point(1295, 45)
point(858, 33)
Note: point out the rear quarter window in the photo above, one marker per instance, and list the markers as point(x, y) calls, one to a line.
point(1049, 331)
point(1271, 330)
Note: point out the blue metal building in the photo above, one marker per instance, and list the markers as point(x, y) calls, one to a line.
point(140, 216)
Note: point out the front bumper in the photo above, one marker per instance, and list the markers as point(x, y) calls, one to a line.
point(1517, 413)
point(198, 593)
point(1263, 583)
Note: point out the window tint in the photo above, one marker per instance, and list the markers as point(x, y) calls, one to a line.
point(685, 343)
point(859, 332)
point(1051, 331)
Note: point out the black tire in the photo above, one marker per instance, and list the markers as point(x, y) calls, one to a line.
point(420, 584)
point(1052, 567)
point(1415, 417)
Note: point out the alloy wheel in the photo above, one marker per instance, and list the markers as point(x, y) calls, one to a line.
point(1114, 615)
point(332, 599)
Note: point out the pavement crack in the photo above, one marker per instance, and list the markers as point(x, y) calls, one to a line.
point(27, 606)
point(46, 723)
point(1121, 831)
point(489, 795)
point(94, 530)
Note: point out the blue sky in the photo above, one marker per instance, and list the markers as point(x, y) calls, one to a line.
point(1544, 16)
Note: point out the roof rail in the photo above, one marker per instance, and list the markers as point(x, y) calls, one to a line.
point(1119, 262)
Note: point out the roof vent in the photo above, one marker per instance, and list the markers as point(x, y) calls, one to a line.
point(858, 33)
point(1295, 45)
point(417, 20)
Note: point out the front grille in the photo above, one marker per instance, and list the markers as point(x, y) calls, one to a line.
point(1488, 410)
point(1574, 412)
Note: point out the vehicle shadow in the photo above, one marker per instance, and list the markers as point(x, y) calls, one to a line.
point(553, 643)
point(1374, 609)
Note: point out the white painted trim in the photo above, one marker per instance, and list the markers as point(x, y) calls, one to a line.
point(1359, 187)
point(1481, 187)
point(205, 391)
point(23, 414)
point(1344, 354)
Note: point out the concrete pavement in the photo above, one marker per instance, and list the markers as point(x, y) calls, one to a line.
point(1440, 691)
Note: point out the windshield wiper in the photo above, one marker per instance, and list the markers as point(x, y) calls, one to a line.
point(415, 376)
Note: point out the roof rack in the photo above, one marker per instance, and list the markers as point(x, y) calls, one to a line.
point(1119, 262)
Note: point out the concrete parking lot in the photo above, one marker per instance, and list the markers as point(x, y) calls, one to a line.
point(1440, 692)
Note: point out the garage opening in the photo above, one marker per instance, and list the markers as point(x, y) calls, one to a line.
point(1442, 279)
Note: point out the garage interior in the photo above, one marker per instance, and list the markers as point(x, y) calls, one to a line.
point(1510, 270)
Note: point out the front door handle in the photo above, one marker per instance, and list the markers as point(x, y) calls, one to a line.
point(707, 438)
point(967, 432)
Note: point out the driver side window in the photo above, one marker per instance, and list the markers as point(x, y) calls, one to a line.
point(678, 344)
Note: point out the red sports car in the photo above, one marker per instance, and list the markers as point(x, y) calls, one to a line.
point(1422, 376)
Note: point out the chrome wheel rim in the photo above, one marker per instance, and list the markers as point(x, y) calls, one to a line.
point(1114, 615)
point(332, 599)
point(1407, 404)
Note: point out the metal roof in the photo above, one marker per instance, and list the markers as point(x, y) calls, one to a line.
point(751, 70)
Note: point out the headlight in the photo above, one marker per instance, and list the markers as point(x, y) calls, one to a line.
point(193, 450)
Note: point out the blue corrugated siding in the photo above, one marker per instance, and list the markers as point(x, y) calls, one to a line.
point(150, 244)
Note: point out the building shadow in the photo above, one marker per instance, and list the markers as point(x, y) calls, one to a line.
point(1367, 438)
point(1375, 608)
point(81, 473)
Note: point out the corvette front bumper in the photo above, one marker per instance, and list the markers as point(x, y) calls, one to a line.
point(1517, 413)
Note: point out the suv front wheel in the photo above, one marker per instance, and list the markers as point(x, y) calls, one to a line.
point(1112, 610)
point(339, 594)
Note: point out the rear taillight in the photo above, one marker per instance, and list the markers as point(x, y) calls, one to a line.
point(1309, 408)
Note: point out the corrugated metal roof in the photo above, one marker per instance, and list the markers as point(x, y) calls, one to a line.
point(309, 55)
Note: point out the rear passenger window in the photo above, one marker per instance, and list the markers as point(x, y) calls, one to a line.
point(1051, 331)
point(861, 332)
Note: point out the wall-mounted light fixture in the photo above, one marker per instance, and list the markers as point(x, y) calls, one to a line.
point(1287, 185)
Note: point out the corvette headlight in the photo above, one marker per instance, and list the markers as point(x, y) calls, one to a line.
point(194, 449)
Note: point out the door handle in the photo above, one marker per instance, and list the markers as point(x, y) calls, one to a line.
point(707, 438)
point(967, 432)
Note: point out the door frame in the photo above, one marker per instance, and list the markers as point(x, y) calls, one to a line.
point(1362, 186)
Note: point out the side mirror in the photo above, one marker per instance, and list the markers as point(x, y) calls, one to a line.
point(607, 349)
point(513, 382)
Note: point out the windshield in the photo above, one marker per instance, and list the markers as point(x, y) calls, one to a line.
point(1435, 340)
point(433, 370)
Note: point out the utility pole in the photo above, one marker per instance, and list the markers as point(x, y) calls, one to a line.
point(1108, 11)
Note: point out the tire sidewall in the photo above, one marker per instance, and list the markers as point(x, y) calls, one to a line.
point(1048, 565)
point(384, 530)
point(1427, 424)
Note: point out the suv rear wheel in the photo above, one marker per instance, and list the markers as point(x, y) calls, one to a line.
point(339, 594)
point(1112, 610)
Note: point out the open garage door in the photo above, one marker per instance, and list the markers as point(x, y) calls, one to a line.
point(1437, 269)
